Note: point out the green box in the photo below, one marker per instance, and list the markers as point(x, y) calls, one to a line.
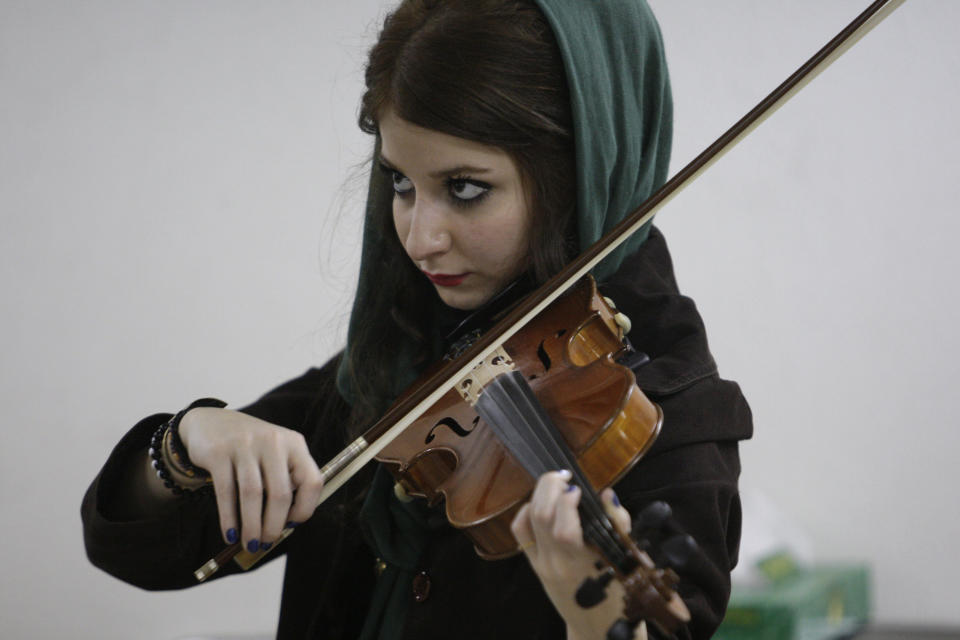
point(809, 604)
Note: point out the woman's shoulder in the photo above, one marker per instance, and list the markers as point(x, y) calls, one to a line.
point(681, 374)
point(665, 323)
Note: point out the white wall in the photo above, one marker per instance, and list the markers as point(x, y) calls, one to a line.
point(178, 220)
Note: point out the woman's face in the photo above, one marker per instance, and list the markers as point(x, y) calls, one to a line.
point(459, 209)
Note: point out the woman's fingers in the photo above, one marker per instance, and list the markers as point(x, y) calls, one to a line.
point(549, 523)
point(616, 511)
point(263, 474)
point(279, 494)
point(543, 502)
point(225, 490)
point(567, 531)
point(535, 518)
point(549, 531)
point(523, 531)
point(250, 494)
point(308, 481)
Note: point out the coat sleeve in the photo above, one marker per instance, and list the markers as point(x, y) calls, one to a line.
point(162, 552)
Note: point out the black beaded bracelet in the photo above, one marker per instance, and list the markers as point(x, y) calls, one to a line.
point(156, 460)
point(167, 450)
point(179, 458)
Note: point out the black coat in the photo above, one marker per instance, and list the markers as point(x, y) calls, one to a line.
point(693, 466)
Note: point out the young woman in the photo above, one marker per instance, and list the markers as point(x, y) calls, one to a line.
point(510, 134)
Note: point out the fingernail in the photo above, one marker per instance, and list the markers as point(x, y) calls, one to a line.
point(265, 546)
point(570, 487)
point(292, 525)
point(253, 545)
point(616, 500)
point(566, 473)
point(232, 536)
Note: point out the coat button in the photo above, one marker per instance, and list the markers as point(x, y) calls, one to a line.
point(421, 586)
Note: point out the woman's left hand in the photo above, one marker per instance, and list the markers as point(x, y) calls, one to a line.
point(549, 532)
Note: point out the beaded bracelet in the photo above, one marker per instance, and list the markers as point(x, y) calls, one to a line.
point(169, 456)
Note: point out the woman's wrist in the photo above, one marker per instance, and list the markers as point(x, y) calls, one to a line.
point(169, 457)
point(183, 472)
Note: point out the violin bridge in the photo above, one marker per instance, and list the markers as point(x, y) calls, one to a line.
point(472, 384)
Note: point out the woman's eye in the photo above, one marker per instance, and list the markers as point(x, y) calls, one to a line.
point(401, 183)
point(466, 190)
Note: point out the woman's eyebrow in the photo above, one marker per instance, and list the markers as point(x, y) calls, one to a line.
point(442, 173)
point(459, 170)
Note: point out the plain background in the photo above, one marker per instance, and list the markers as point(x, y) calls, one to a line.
point(180, 188)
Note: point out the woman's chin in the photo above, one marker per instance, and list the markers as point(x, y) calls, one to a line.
point(464, 299)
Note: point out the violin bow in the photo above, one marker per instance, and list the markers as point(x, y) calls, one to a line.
point(359, 452)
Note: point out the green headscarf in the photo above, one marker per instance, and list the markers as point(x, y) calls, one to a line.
point(623, 125)
point(622, 111)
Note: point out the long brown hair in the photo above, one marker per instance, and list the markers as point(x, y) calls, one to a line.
point(484, 70)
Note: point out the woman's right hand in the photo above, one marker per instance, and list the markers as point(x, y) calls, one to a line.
point(262, 470)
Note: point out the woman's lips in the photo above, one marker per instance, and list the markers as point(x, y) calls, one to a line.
point(445, 279)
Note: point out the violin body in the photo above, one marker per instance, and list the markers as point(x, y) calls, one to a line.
point(567, 355)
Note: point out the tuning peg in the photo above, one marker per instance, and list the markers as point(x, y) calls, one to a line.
point(654, 517)
point(662, 536)
point(678, 550)
point(592, 591)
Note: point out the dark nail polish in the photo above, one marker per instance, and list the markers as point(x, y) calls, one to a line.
point(616, 500)
point(232, 536)
point(253, 545)
point(265, 546)
point(292, 525)
point(570, 487)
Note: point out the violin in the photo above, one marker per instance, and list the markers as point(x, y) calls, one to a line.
point(550, 364)
point(553, 395)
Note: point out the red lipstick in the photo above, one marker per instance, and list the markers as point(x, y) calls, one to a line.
point(444, 279)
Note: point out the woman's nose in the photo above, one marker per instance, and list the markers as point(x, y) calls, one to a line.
point(427, 234)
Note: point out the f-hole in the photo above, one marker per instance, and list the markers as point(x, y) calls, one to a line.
point(544, 358)
point(454, 426)
point(542, 352)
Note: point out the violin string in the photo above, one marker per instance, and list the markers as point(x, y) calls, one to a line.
point(510, 408)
